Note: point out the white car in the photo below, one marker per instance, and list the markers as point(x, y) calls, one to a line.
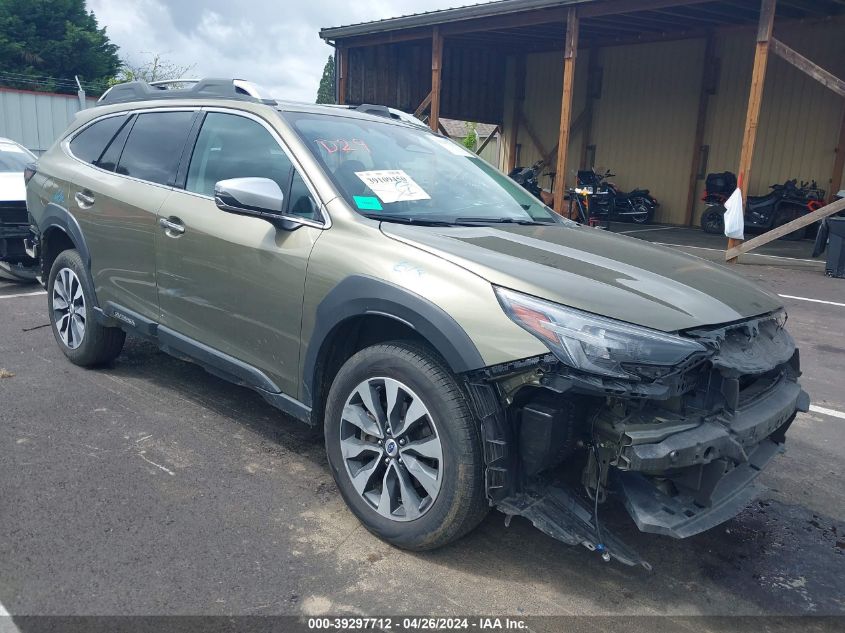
point(15, 264)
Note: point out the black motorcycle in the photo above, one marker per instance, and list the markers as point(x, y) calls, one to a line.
point(609, 203)
point(782, 204)
point(529, 178)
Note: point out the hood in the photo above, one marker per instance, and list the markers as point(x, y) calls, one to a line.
point(12, 186)
point(592, 270)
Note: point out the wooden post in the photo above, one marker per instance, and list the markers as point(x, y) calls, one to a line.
point(755, 99)
point(707, 80)
point(516, 119)
point(436, 68)
point(839, 161)
point(343, 73)
point(570, 51)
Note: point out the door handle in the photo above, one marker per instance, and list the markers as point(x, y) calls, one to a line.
point(84, 199)
point(172, 226)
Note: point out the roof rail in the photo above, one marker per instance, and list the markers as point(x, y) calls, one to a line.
point(237, 89)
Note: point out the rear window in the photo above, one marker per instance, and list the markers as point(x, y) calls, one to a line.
point(89, 144)
point(154, 146)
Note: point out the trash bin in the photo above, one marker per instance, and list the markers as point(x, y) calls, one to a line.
point(835, 266)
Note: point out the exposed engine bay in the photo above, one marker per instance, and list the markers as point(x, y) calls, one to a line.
point(680, 446)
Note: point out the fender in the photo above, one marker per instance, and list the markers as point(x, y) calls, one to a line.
point(56, 216)
point(359, 295)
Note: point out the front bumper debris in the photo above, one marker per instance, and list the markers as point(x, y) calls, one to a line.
point(682, 451)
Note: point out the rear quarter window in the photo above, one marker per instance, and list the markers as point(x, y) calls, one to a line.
point(89, 144)
point(155, 145)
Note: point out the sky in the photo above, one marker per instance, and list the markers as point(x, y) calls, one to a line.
point(274, 43)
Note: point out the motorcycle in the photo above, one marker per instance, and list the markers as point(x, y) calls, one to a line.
point(529, 178)
point(609, 203)
point(782, 204)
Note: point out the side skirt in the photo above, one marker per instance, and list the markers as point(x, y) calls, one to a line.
point(213, 361)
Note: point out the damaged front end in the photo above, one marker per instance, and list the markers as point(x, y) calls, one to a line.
point(680, 445)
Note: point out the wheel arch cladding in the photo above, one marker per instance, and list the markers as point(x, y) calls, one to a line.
point(360, 295)
point(59, 218)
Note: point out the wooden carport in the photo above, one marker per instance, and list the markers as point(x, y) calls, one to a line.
point(451, 62)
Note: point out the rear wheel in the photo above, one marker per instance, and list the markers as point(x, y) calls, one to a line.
point(70, 301)
point(784, 217)
point(643, 211)
point(713, 220)
point(404, 447)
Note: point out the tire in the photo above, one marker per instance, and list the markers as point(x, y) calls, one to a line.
point(426, 518)
point(820, 245)
point(84, 341)
point(784, 217)
point(646, 211)
point(713, 220)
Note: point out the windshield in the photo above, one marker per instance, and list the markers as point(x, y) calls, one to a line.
point(13, 158)
point(400, 173)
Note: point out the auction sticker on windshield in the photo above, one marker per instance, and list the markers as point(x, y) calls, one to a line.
point(392, 185)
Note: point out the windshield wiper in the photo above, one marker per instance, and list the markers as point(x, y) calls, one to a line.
point(501, 221)
point(404, 219)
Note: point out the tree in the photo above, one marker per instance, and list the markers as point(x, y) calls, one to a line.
point(325, 93)
point(44, 43)
point(157, 68)
point(471, 139)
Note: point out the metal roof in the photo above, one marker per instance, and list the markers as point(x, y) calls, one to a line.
point(442, 16)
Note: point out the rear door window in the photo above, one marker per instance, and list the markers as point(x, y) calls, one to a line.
point(154, 146)
point(89, 144)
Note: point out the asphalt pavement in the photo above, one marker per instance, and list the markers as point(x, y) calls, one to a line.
point(152, 487)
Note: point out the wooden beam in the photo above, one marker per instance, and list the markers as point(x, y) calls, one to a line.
point(570, 51)
point(422, 107)
point(707, 79)
point(784, 229)
point(827, 79)
point(442, 130)
point(436, 70)
point(839, 161)
point(342, 74)
point(486, 141)
point(519, 97)
point(755, 99)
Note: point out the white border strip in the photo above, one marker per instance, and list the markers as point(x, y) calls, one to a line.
point(24, 294)
point(830, 303)
point(831, 412)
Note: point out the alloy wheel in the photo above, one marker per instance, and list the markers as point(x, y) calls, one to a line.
point(391, 449)
point(69, 308)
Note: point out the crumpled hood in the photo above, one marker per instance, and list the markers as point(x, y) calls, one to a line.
point(12, 186)
point(600, 272)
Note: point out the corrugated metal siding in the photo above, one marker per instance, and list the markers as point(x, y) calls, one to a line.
point(799, 120)
point(644, 123)
point(35, 120)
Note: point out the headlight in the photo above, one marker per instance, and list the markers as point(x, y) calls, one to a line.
point(596, 344)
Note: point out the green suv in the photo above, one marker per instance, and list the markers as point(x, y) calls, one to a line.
point(461, 345)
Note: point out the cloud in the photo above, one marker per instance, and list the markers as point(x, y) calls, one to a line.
point(275, 44)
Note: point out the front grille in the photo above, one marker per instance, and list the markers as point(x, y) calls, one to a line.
point(13, 212)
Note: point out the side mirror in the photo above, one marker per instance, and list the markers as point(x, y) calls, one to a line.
point(255, 197)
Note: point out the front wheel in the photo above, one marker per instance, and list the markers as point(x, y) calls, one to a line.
point(404, 447)
point(713, 220)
